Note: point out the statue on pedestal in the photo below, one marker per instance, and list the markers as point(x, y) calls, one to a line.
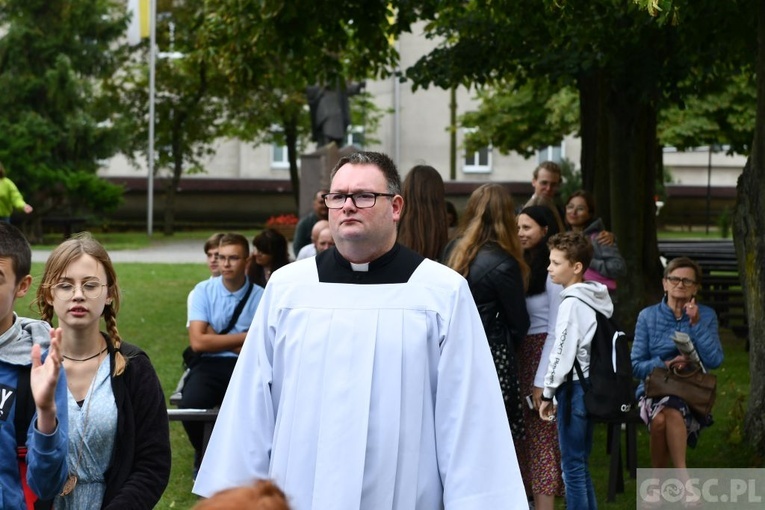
point(331, 112)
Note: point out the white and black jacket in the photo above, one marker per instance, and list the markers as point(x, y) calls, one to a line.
point(574, 330)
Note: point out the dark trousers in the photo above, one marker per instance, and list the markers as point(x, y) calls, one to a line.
point(204, 389)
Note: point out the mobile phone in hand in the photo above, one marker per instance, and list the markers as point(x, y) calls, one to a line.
point(530, 401)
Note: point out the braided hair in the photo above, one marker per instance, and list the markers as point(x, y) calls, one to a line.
point(58, 261)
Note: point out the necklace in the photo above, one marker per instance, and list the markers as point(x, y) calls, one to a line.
point(71, 480)
point(85, 359)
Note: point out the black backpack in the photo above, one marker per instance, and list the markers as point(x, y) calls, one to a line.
point(609, 396)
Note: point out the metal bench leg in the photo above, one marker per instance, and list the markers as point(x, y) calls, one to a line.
point(615, 473)
point(631, 440)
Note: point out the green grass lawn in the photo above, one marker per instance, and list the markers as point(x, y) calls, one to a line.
point(153, 316)
point(138, 240)
point(720, 446)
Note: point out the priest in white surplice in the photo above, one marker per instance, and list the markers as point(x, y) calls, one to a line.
point(366, 381)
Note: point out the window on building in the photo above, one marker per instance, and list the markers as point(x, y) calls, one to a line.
point(554, 153)
point(355, 136)
point(279, 156)
point(478, 162)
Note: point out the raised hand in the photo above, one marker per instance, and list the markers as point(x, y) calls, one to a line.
point(692, 311)
point(43, 381)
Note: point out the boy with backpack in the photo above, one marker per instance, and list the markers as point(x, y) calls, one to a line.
point(570, 255)
point(33, 407)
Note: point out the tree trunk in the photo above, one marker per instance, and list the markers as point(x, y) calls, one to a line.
point(177, 138)
point(631, 177)
point(593, 92)
point(452, 133)
point(170, 192)
point(748, 224)
point(619, 167)
point(291, 137)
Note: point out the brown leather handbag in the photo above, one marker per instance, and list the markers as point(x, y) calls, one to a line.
point(698, 389)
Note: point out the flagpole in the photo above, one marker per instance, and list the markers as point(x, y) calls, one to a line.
point(152, 91)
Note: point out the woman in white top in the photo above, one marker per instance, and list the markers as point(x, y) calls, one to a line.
point(539, 454)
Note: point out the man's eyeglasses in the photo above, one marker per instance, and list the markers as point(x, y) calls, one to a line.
point(65, 291)
point(362, 200)
point(231, 258)
point(676, 280)
point(550, 184)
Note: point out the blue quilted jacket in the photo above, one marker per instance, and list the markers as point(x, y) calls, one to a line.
point(653, 344)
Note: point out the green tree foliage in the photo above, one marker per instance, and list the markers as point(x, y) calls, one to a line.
point(625, 67)
point(522, 118)
point(190, 101)
point(56, 61)
point(271, 51)
point(749, 214)
point(724, 115)
point(572, 180)
point(365, 113)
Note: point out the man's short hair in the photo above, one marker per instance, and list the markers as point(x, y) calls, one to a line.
point(575, 246)
point(550, 166)
point(14, 246)
point(233, 238)
point(213, 241)
point(380, 160)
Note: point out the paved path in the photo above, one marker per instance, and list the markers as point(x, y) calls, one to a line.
point(162, 252)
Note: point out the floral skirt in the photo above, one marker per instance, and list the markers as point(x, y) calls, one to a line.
point(650, 407)
point(539, 455)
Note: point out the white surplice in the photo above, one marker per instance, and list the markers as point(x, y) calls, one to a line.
point(369, 397)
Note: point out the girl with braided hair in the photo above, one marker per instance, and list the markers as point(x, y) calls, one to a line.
point(119, 443)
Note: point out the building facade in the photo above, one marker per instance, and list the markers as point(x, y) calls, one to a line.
point(415, 129)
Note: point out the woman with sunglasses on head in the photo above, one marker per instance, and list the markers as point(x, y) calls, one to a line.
point(119, 443)
point(670, 421)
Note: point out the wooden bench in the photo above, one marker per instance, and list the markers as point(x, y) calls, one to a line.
point(208, 416)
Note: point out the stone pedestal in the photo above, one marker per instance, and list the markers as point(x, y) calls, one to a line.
point(315, 168)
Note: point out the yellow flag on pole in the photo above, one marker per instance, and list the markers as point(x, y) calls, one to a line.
point(139, 21)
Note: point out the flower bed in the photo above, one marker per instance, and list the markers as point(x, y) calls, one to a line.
point(284, 224)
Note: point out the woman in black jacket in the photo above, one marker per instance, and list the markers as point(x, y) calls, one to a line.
point(119, 440)
point(488, 254)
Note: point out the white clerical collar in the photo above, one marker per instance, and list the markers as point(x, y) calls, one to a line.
point(360, 267)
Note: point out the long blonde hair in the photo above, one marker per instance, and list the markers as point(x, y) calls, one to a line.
point(59, 259)
point(489, 218)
